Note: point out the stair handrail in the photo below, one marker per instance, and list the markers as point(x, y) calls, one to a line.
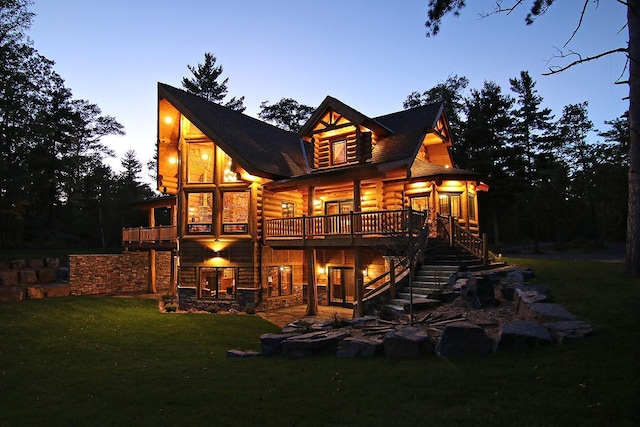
point(401, 270)
point(449, 229)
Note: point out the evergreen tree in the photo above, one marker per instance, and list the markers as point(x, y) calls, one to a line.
point(205, 83)
point(450, 93)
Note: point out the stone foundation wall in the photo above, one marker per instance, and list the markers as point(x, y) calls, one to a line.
point(117, 273)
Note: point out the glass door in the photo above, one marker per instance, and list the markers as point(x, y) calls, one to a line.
point(338, 218)
point(342, 288)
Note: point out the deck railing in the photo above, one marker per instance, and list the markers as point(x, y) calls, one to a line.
point(149, 235)
point(389, 223)
point(457, 235)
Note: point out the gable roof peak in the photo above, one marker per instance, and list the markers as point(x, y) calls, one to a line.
point(353, 115)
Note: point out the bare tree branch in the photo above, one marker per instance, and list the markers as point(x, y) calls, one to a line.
point(580, 60)
point(575, 31)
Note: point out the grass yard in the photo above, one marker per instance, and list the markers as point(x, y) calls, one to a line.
point(91, 361)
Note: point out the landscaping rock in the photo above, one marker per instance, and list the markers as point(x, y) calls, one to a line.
point(463, 339)
point(544, 312)
point(52, 263)
point(407, 341)
point(9, 278)
point(569, 330)
point(35, 263)
point(27, 277)
point(359, 347)
point(521, 335)
point(56, 290)
point(271, 344)
point(35, 292)
point(320, 342)
point(47, 275)
point(243, 354)
point(18, 264)
point(11, 293)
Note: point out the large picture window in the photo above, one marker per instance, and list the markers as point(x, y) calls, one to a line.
point(279, 281)
point(235, 212)
point(199, 214)
point(200, 162)
point(218, 283)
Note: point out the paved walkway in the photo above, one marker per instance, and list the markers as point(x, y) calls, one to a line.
point(283, 316)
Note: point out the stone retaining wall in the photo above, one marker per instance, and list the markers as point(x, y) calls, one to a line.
point(117, 273)
point(33, 279)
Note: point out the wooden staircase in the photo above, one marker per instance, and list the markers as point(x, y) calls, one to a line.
point(439, 263)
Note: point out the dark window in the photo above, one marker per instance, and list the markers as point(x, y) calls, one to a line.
point(279, 281)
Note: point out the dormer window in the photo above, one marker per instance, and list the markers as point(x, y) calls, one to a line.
point(339, 152)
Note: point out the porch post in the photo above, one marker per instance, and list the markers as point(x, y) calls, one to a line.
point(152, 271)
point(392, 278)
point(312, 295)
point(359, 280)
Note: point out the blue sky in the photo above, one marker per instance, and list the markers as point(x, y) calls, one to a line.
point(368, 53)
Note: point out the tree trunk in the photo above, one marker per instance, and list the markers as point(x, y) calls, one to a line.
point(632, 261)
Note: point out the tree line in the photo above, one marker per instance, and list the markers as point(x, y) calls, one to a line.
point(550, 181)
point(55, 188)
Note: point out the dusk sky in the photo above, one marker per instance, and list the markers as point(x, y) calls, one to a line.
point(370, 54)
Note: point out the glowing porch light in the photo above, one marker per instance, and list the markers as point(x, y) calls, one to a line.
point(168, 120)
point(320, 270)
point(172, 160)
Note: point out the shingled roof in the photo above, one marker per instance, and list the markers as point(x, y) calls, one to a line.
point(260, 148)
point(266, 150)
point(409, 128)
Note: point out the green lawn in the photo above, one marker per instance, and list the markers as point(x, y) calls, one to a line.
point(105, 361)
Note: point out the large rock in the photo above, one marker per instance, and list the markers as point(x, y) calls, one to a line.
point(11, 293)
point(407, 341)
point(463, 339)
point(35, 263)
point(35, 292)
point(540, 312)
point(569, 330)
point(47, 275)
point(359, 347)
point(521, 335)
point(271, 344)
point(321, 342)
point(56, 290)
point(27, 277)
point(9, 278)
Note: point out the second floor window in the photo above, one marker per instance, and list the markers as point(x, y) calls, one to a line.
point(200, 162)
point(288, 210)
point(339, 152)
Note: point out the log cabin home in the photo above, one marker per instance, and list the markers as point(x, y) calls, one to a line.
point(331, 215)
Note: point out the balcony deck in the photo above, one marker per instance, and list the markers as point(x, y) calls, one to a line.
point(354, 228)
point(160, 238)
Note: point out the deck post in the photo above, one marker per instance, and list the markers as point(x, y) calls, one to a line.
point(485, 249)
point(152, 271)
point(312, 295)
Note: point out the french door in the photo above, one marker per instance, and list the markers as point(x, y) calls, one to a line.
point(342, 289)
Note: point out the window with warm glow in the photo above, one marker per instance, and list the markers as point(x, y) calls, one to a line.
point(472, 206)
point(450, 205)
point(199, 213)
point(218, 283)
point(235, 212)
point(229, 175)
point(288, 210)
point(420, 203)
point(279, 281)
point(200, 162)
point(339, 152)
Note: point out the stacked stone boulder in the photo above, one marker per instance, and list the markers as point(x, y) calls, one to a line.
point(538, 321)
point(32, 279)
